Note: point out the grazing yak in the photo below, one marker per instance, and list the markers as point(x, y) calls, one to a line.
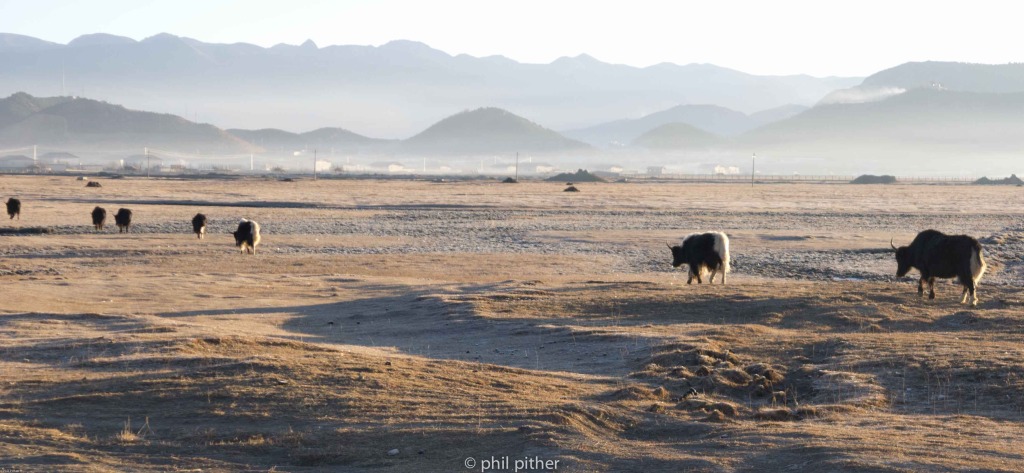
point(99, 217)
point(247, 236)
point(14, 208)
point(199, 225)
point(123, 219)
point(936, 255)
point(703, 252)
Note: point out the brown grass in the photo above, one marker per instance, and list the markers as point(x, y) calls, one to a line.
point(158, 352)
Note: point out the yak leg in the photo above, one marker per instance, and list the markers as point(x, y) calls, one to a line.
point(971, 288)
point(920, 287)
point(963, 297)
point(931, 288)
point(714, 272)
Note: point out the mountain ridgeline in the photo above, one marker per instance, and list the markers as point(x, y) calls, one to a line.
point(78, 124)
point(394, 90)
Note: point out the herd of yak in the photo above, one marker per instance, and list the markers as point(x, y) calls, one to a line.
point(247, 236)
point(932, 253)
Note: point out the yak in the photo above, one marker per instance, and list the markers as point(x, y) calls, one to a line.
point(703, 252)
point(247, 236)
point(937, 255)
point(14, 208)
point(123, 219)
point(199, 225)
point(99, 217)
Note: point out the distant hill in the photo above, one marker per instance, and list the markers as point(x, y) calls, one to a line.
point(919, 121)
point(710, 118)
point(956, 76)
point(324, 139)
point(488, 130)
point(776, 114)
point(89, 124)
point(391, 90)
point(676, 136)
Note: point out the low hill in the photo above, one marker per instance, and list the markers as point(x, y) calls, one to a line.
point(926, 120)
point(488, 130)
point(90, 124)
point(581, 175)
point(776, 114)
point(675, 136)
point(709, 118)
point(325, 139)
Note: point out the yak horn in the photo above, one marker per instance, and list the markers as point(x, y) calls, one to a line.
point(890, 244)
point(669, 245)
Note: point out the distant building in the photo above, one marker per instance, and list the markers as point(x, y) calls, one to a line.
point(655, 170)
point(17, 163)
point(141, 162)
point(322, 165)
point(542, 168)
point(727, 170)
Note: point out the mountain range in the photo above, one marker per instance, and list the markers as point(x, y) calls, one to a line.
point(393, 90)
point(930, 112)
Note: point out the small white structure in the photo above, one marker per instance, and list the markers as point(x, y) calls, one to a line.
point(323, 165)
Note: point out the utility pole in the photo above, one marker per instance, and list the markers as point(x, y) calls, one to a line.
point(146, 151)
point(753, 159)
point(517, 166)
point(314, 164)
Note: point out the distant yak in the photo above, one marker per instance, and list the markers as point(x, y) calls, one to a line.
point(937, 255)
point(14, 208)
point(703, 252)
point(123, 219)
point(247, 236)
point(99, 217)
point(199, 225)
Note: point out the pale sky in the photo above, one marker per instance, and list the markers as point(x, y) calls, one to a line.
point(821, 38)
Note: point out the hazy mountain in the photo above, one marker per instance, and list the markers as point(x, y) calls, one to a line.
point(391, 90)
point(957, 76)
point(710, 118)
point(322, 139)
point(678, 136)
point(17, 43)
point(488, 131)
point(920, 121)
point(79, 124)
point(776, 114)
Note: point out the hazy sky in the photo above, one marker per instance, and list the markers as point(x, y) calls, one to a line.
point(761, 37)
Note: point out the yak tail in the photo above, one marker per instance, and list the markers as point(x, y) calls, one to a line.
point(978, 265)
point(722, 248)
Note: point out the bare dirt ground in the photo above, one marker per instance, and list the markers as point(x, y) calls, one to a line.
point(410, 326)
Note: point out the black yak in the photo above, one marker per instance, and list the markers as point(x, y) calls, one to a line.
point(247, 236)
point(99, 217)
point(936, 255)
point(123, 219)
point(199, 225)
point(14, 208)
point(703, 252)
